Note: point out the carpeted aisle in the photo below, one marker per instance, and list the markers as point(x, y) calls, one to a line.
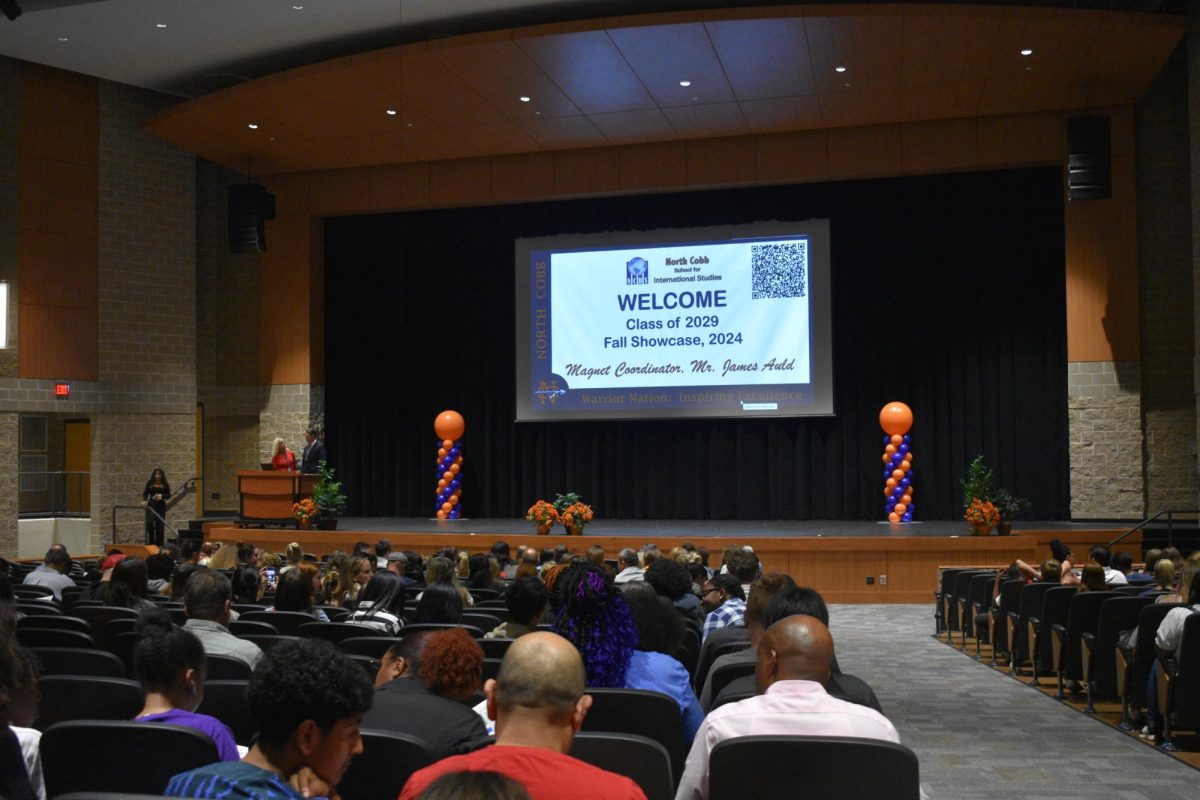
point(980, 734)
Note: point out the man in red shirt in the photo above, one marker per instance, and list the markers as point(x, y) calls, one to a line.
point(538, 704)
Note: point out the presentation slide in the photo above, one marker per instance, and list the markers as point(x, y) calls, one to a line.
point(708, 322)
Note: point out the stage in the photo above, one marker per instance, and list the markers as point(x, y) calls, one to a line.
point(848, 561)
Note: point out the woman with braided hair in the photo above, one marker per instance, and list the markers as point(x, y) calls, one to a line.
point(590, 612)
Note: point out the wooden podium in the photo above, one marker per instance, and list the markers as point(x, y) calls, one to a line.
point(266, 497)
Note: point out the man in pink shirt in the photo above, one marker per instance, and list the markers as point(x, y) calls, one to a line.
point(794, 661)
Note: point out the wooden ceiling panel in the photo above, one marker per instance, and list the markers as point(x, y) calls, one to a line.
point(664, 56)
point(1058, 43)
point(1028, 93)
point(944, 44)
point(1125, 58)
point(631, 127)
point(590, 71)
point(554, 133)
point(433, 96)
point(764, 57)
point(868, 46)
point(857, 107)
point(938, 100)
point(782, 114)
point(704, 122)
point(502, 73)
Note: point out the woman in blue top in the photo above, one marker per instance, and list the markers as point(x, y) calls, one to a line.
point(170, 663)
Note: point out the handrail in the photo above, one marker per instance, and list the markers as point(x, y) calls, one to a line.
point(1170, 514)
point(188, 486)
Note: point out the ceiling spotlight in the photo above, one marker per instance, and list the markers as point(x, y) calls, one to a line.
point(524, 99)
point(391, 112)
point(252, 126)
point(63, 39)
point(685, 84)
point(839, 69)
point(297, 8)
point(160, 24)
point(1026, 52)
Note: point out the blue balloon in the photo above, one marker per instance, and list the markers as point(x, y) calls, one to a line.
point(907, 438)
point(454, 484)
point(886, 440)
point(905, 481)
point(902, 449)
point(453, 452)
point(898, 492)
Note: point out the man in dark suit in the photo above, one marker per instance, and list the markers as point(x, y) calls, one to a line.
point(314, 453)
point(403, 704)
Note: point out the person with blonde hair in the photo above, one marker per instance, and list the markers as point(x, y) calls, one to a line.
point(295, 555)
point(281, 457)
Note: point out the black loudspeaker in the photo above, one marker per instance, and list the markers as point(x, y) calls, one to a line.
point(250, 205)
point(1089, 158)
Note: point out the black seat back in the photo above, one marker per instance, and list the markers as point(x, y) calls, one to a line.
point(373, 646)
point(79, 661)
point(54, 637)
point(958, 594)
point(221, 667)
point(826, 766)
point(76, 697)
point(384, 766)
point(651, 714)
point(1029, 604)
point(286, 622)
point(61, 623)
point(1082, 617)
point(945, 610)
point(133, 757)
point(1118, 614)
point(646, 762)
point(1055, 606)
point(226, 700)
point(335, 631)
point(1010, 594)
point(1185, 689)
point(1144, 653)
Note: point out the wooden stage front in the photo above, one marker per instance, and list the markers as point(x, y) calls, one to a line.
point(856, 562)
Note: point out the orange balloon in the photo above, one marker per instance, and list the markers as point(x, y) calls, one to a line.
point(441, 453)
point(905, 465)
point(890, 449)
point(909, 456)
point(442, 483)
point(893, 517)
point(449, 425)
point(447, 444)
point(458, 460)
point(447, 476)
point(886, 457)
point(898, 474)
point(906, 500)
point(454, 469)
point(887, 492)
point(897, 439)
point(891, 483)
point(895, 418)
point(900, 508)
point(447, 506)
point(441, 514)
point(453, 499)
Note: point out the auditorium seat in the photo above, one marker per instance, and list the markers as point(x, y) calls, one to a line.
point(56, 623)
point(1010, 595)
point(650, 714)
point(495, 648)
point(334, 631)
point(485, 621)
point(979, 594)
point(439, 626)
point(127, 757)
point(79, 661)
point(221, 667)
point(1055, 605)
point(265, 642)
point(372, 646)
point(826, 766)
point(76, 697)
point(1083, 616)
point(238, 627)
point(51, 637)
point(1133, 664)
point(1029, 605)
point(942, 619)
point(643, 760)
point(1180, 703)
point(226, 700)
point(38, 608)
point(30, 591)
point(286, 622)
point(722, 675)
point(1099, 649)
point(387, 761)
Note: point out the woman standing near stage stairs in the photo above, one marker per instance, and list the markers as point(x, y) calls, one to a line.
point(154, 498)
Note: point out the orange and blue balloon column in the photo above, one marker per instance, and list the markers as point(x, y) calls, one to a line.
point(449, 427)
point(896, 419)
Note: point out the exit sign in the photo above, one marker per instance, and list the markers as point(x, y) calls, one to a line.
point(62, 390)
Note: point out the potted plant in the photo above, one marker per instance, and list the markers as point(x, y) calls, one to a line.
point(327, 494)
point(305, 512)
point(978, 509)
point(982, 516)
point(1010, 507)
point(543, 515)
point(575, 516)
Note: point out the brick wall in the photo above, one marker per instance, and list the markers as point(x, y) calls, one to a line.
point(9, 496)
point(288, 410)
point(1104, 419)
point(1193, 104)
point(9, 85)
point(1165, 279)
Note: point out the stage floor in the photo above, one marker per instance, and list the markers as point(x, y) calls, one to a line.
point(702, 529)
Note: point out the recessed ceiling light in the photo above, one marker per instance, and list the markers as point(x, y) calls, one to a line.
point(297, 8)
point(685, 83)
point(524, 99)
point(252, 126)
point(62, 39)
point(409, 125)
point(160, 25)
point(391, 112)
point(1026, 52)
point(839, 69)
point(846, 84)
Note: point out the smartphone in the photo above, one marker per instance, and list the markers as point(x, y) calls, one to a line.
point(269, 575)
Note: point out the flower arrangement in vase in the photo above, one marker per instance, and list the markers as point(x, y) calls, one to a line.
point(575, 516)
point(543, 515)
point(982, 516)
point(305, 512)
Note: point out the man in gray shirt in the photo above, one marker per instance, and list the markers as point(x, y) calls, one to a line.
point(206, 600)
point(630, 571)
point(52, 574)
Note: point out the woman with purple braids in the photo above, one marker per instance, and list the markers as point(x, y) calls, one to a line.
point(590, 612)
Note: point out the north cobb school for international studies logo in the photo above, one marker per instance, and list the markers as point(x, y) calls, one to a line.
point(637, 270)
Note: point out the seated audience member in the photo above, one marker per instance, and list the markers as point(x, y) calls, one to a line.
point(295, 557)
point(207, 550)
point(1167, 641)
point(127, 585)
point(398, 564)
point(761, 592)
point(179, 579)
point(206, 603)
point(1058, 552)
point(648, 555)
point(361, 570)
point(225, 557)
point(382, 548)
point(743, 565)
point(482, 785)
point(1123, 563)
point(672, 580)
point(99, 589)
point(528, 566)
point(441, 602)
point(169, 663)
point(795, 658)
point(1100, 554)
point(1050, 571)
point(538, 704)
point(14, 777)
point(189, 551)
point(159, 568)
point(1092, 578)
point(1165, 575)
point(365, 550)
point(653, 665)
point(503, 555)
point(452, 665)
point(52, 573)
point(248, 585)
point(248, 554)
point(307, 700)
point(627, 562)
point(404, 704)
point(479, 568)
point(591, 614)
point(725, 603)
point(441, 569)
point(527, 600)
point(23, 700)
point(380, 604)
point(295, 593)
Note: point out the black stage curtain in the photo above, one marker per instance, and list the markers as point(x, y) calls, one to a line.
point(948, 294)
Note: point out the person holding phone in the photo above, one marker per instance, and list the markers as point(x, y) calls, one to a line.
point(154, 498)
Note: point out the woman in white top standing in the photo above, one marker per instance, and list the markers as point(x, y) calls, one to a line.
point(380, 604)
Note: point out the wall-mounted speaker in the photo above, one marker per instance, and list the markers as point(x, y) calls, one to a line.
point(250, 206)
point(1089, 158)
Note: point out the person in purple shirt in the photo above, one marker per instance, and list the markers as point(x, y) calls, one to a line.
point(170, 663)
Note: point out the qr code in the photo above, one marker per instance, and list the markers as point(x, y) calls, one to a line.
point(778, 270)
